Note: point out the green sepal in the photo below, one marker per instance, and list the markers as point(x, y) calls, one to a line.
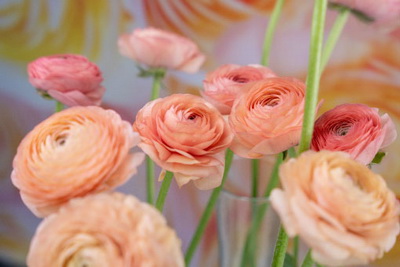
point(44, 94)
point(151, 72)
point(378, 157)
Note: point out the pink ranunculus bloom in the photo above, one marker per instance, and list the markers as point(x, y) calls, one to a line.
point(186, 135)
point(71, 79)
point(223, 85)
point(353, 128)
point(382, 12)
point(161, 49)
point(107, 229)
point(342, 210)
point(267, 118)
point(75, 152)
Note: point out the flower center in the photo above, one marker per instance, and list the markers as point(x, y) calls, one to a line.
point(239, 79)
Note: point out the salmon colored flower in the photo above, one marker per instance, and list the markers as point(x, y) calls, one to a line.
point(339, 207)
point(108, 229)
point(71, 79)
point(353, 128)
point(186, 135)
point(161, 49)
point(78, 151)
point(382, 12)
point(267, 118)
point(222, 86)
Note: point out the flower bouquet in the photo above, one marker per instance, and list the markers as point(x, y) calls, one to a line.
point(321, 185)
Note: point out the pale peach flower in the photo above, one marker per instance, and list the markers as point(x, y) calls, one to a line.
point(75, 152)
point(223, 85)
point(71, 79)
point(353, 128)
point(161, 49)
point(267, 118)
point(107, 229)
point(186, 135)
point(381, 11)
point(342, 210)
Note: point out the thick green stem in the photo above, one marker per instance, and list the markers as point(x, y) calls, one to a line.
point(334, 35)
point(59, 106)
point(313, 78)
point(280, 249)
point(308, 261)
point(150, 181)
point(269, 34)
point(255, 168)
point(162, 194)
point(208, 211)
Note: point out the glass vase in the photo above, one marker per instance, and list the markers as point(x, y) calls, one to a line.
point(247, 230)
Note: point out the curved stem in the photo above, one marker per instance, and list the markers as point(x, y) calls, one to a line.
point(334, 35)
point(59, 106)
point(162, 194)
point(280, 249)
point(269, 34)
point(314, 67)
point(208, 211)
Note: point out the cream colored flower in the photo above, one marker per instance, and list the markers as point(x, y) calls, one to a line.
point(108, 229)
point(75, 152)
point(339, 207)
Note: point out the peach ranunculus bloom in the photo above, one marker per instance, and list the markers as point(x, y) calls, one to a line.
point(353, 128)
point(381, 11)
point(75, 152)
point(267, 118)
point(161, 49)
point(342, 210)
point(71, 79)
point(107, 229)
point(186, 135)
point(223, 85)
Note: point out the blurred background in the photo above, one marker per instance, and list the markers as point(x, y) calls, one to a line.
point(364, 68)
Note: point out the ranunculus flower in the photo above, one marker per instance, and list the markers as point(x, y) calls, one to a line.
point(222, 86)
point(75, 152)
point(186, 135)
point(353, 128)
point(71, 79)
point(108, 229)
point(161, 49)
point(342, 210)
point(381, 11)
point(267, 118)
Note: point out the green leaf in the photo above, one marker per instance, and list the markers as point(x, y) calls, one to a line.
point(361, 16)
point(289, 261)
point(378, 157)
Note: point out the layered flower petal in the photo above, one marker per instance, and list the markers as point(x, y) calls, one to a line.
point(223, 85)
point(75, 152)
point(267, 118)
point(353, 128)
point(71, 79)
point(107, 229)
point(186, 135)
point(339, 207)
point(157, 48)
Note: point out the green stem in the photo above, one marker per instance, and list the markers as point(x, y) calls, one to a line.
point(314, 67)
point(150, 181)
point(296, 250)
point(255, 168)
point(334, 35)
point(280, 249)
point(162, 194)
point(308, 261)
point(269, 34)
point(208, 211)
point(59, 106)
